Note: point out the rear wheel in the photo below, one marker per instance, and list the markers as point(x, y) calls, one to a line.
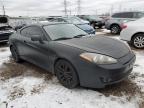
point(66, 74)
point(15, 54)
point(138, 41)
point(100, 27)
point(115, 29)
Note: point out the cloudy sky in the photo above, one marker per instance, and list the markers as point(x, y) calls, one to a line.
point(56, 7)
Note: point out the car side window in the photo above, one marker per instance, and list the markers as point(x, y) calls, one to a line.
point(24, 32)
point(138, 15)
point(128, 15)
point(114, 15)
point(31, 31)
point(123, 15)
point(61, 20)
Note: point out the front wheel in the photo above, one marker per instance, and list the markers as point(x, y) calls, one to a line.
point(138, 41)
point(66, 74)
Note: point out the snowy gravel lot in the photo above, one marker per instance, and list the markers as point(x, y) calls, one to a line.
point(27, 86)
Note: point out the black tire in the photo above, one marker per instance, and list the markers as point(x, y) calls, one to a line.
point(93, 25)
point(15, 54)
point(138, 41)
point(115, 29)
point(66, 74)
point(99, 27)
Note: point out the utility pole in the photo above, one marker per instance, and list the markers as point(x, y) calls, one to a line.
point(79, 7)
point(65, 7)
point(3, 7)
point(111, 9)
point(3, 10)
point(96, 11)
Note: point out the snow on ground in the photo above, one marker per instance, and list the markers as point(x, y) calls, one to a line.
point(35, 92)
point(102, 31)
point(4, 54)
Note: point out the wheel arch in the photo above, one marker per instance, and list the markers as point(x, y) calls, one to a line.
point(10, 46)
point(62, 58)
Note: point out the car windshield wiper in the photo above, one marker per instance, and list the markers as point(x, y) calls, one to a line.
point(63, 38)
point(79, 36)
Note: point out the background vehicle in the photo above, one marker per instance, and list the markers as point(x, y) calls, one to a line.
point(116, 21)
point(84, 25)
point(94, 20)
point(133, 32)
point(5, 29)
point(74, 57)
point(5, 32)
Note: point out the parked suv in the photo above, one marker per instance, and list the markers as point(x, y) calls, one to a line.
point(115, 23)
point(94, 20)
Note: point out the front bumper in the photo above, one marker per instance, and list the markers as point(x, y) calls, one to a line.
point(99, 76)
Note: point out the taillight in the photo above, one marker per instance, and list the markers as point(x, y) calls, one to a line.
point(123, 26)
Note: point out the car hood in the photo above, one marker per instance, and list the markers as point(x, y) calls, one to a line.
point(99, 44)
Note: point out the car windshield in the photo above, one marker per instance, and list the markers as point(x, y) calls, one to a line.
point(63, 31)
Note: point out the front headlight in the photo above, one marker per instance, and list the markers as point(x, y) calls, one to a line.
point(98, 58)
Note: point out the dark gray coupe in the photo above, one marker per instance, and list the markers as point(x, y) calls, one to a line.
point(72, 55)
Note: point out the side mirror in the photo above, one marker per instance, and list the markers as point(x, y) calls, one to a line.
point(36, 38)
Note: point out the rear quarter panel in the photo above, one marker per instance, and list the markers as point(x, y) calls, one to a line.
point(132, 29)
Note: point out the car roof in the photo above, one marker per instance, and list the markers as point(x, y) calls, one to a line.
point(130, 12)
point(47, 23)
point(63, 17)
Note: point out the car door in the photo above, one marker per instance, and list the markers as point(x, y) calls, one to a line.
point(36, 52)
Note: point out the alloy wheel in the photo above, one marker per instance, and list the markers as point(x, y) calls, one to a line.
point(139, 41)
point(66, 74)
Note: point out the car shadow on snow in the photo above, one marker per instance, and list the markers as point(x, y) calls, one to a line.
point(10, 69)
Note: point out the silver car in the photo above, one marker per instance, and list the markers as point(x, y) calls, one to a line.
point(115, 23)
